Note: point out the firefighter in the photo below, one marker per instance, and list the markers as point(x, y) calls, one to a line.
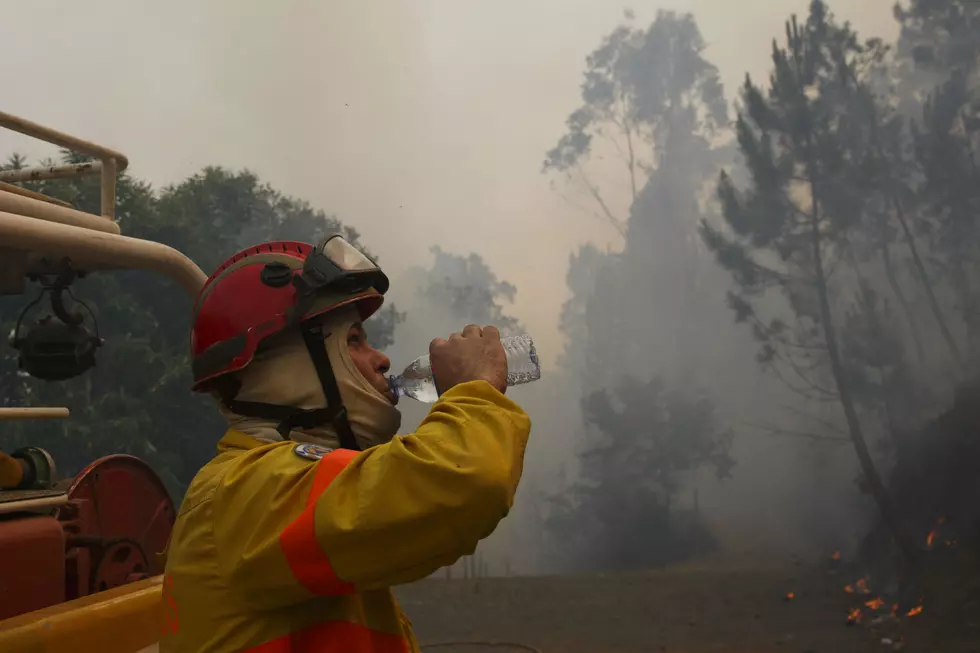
point(291, 537)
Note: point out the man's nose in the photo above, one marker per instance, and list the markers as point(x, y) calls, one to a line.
point(383, 364)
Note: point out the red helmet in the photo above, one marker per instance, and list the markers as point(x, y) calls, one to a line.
point(261, 290)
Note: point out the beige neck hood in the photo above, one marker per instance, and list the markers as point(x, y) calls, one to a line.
point(283, 374)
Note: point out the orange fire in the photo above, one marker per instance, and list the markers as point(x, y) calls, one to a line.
point(790, 596)
point(854, 616)
point(914, 611)
point(875, 604)
point(930, 538)
point(862, 586)
point(836, 556)
point(849, 589)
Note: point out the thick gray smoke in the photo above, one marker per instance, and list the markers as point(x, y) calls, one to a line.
point(426, 123)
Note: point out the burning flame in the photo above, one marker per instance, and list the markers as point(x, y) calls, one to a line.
point(854, 616)
point(790, 596)
point(930, 538)
point(849, 589)
point(836, 556)
point(914, 611)
point(862, 585)
point(875, 604)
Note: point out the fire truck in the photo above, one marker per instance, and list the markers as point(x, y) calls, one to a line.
point(80, 557)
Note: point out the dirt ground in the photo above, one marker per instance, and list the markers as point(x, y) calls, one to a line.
point(672, 611)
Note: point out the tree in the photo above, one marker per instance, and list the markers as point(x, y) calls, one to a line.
point(890, 175)
point(137, 399)
point(938, 39)
point(639, 84)
point(794, 223)
point(623, 505)
point(641, 319)
point(469, 289)
point(455, 290)
point(937, 64)
point(652, 93)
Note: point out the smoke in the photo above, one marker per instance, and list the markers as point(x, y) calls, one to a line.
point(424, 123)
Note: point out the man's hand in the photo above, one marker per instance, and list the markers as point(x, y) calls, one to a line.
point(473, 355)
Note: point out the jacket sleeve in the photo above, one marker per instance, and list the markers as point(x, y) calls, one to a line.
point(288, 529)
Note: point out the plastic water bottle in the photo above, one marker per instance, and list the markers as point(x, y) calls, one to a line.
point(417, 381)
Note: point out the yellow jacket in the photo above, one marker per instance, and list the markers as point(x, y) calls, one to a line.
point(288, 547)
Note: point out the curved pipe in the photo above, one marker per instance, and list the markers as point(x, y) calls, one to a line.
point(108, 251)
point(125, 619)
point(56, 137)
point(52, 172)
point(40, 210)
point(17, 190)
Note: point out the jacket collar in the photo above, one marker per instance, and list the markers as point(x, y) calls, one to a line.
point(233, 439)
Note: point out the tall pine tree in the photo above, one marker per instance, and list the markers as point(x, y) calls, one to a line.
point(793, 225)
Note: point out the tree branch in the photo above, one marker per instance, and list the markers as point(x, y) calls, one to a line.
point(822, 422)
point(799, 391)
point(776, 430)
point(594, 191)
point(629, 143)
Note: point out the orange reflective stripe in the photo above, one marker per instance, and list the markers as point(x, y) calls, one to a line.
point(335, 637)
point(307, 560)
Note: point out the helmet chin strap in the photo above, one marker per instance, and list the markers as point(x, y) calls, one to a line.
point(290, 417)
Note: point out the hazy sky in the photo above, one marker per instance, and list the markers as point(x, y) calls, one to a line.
point(419, 122)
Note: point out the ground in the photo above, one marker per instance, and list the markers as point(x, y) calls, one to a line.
point(688, 610)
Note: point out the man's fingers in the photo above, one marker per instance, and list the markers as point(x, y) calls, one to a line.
point(456, 336)
point(438, 342)
point(472, 331)
point(491, 332)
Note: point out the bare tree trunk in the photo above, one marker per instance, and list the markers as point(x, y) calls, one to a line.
point(903, 302)
point(910, 240)
point(924, 278)
point(872, 478)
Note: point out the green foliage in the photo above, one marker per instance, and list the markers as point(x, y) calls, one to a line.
point(137, 399)
point(624, 502)
point(811, 146)
point(939, 35)
point(795, 223)
point(469, 289)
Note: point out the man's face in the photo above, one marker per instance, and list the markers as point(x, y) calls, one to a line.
point(371, 363)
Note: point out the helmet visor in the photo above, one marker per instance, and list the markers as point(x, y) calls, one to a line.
point(344, 255)
point(336, 265)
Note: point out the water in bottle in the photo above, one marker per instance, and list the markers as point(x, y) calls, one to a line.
point(417, 382)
